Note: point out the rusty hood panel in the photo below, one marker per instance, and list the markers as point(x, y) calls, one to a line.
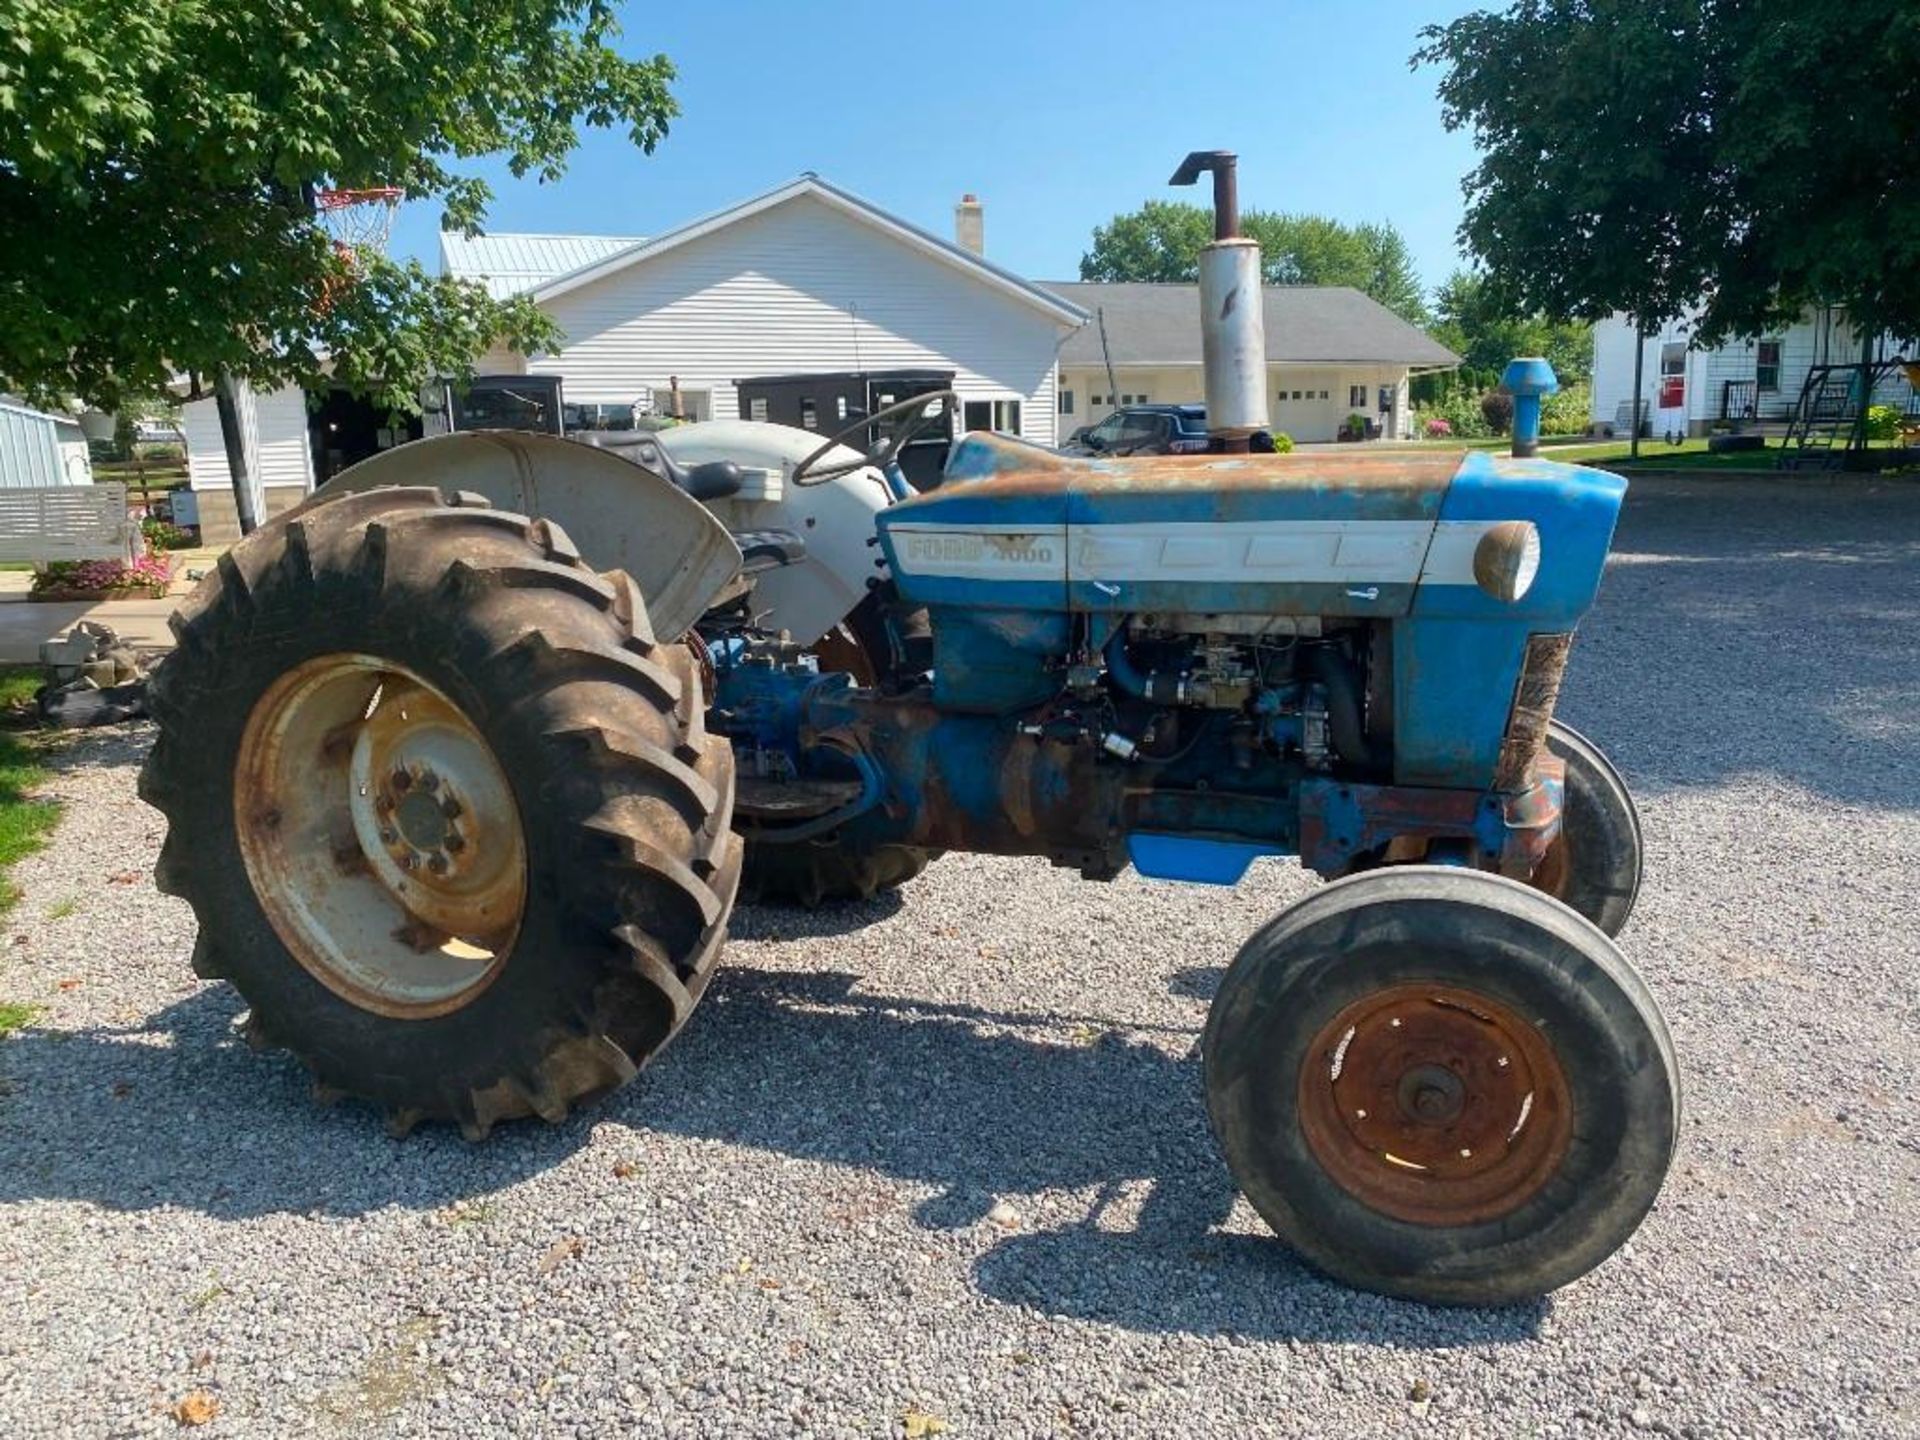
point(1016, 526)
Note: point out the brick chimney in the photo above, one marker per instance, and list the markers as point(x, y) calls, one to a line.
point(970, 224)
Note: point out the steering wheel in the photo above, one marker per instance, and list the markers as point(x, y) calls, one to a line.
point(889, 448)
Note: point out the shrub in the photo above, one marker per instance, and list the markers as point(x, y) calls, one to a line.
point(162, 535)
point(1883, 422)
point(1497, 407)
point(1569, 412)
point(1439, 427)
point(1460, 410)
point(104, 577)
point(1282, 442)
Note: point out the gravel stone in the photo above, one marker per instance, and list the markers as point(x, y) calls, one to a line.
point(778, 1229)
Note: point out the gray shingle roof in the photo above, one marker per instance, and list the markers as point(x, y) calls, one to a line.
point(1160, 325)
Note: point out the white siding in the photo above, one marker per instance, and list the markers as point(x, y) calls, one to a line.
point(1815, 340)
point(801, 287)
point(286, 458)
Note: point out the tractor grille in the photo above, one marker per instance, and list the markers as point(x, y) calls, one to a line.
point(1533, 700)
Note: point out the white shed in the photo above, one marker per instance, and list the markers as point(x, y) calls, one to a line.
point(805, 278)
point(274, 428)
point(39, 450)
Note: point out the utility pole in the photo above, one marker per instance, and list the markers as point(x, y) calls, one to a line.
point(1639, 369)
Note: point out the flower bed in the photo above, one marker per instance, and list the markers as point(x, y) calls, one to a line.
point(103, 579)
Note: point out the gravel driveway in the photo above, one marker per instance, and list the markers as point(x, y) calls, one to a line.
point(944, 1161)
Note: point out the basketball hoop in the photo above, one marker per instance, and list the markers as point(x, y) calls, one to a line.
point(358, 219)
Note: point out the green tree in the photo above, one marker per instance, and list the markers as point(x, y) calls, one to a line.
point(158, 164)
point(1663, 157)
point(1471, 320)
point(1162, 240)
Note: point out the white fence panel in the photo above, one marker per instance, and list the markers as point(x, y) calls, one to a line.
point(68, 522)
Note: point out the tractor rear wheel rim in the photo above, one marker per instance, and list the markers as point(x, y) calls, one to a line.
point(380, 834)
point(1435, 1104)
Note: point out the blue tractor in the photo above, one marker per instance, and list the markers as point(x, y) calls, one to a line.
point(464, 761)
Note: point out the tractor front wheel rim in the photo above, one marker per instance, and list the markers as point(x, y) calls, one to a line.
point(1435, 1104)
point(380, 834)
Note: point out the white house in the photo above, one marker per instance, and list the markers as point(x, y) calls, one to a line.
point(1688, 390)
point(1331, 352)
point(806, 277)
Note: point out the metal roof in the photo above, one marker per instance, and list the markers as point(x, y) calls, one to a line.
point(1306, 324)
point(512, 263)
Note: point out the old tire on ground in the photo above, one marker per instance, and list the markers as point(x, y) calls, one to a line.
point(403, 734)
point(1441, 1085)
point(1595, 863)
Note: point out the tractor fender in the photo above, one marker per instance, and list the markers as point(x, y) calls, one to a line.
point(835, 518)
point(620, 516)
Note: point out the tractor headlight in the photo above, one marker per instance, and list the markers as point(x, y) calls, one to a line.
point(1506, 559)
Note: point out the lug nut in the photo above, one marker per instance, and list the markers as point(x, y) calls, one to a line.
point(429, 780)
point(383, 802)
point(455, 844)
point(451, 808)
point(388, 835)
point(402, 779)
point(437, 864)
point(407, 862)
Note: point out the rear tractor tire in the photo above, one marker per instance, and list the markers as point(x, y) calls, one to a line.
point(1442, 1085)
point(1595, 863)
point(444, 807)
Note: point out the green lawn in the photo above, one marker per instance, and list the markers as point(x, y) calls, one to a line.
point(24, 822)
point(1655, 454)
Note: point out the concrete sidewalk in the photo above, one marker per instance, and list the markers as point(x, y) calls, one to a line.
point(24, 624)
point(141, 623)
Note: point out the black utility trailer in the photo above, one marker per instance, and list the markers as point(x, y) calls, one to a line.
point(830, 401)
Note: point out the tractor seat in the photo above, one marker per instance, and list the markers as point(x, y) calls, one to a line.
point(766, 549)
point(714, 480)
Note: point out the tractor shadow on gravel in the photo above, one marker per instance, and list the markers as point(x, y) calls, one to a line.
point(978, 1104)
point(984, 1104)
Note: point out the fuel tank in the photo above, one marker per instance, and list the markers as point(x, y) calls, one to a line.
point(1330, 534)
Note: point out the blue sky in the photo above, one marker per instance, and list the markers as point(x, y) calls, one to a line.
point(1058, 115)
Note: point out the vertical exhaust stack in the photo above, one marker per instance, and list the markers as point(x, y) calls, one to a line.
point(1233, 335)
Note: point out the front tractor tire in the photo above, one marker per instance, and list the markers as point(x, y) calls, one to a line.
point(1442, 1085)
point(444, 807)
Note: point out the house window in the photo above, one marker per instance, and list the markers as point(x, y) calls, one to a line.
point(1323, 395)
point(1000, 415)
point(1766, 366)
point(757, 408)
point(1066, 402)
point(809, 419)
point(1356, 397)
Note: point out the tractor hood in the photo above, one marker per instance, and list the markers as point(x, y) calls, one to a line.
point(1334, 534)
